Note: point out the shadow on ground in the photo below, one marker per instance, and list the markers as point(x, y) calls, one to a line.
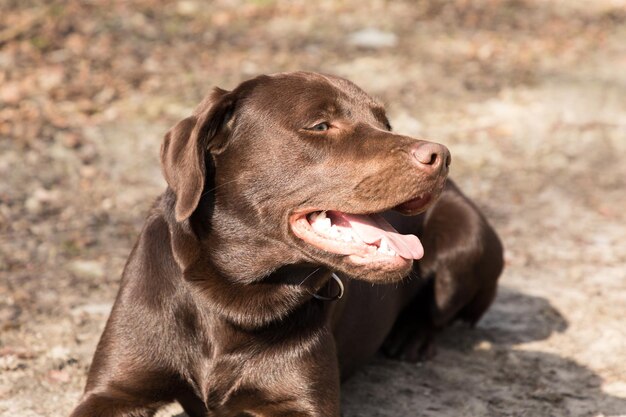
point(514, 318)
point(540, 383)
point(485, 372)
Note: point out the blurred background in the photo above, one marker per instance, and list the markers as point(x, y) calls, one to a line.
point(529, 95)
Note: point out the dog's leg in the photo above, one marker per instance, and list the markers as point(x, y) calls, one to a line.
point(458, 289)
point(111, 404)
point(308, 387)
point(475, 309)
point(123, 390)
point(462, 262)
point(319, 400)
point(436, 305)
point(192, 404)
point(412, 332)
point(278, 411)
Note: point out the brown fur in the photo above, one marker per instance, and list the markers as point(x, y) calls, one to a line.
point(216, 307)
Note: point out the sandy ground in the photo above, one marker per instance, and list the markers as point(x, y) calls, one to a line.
point(530, 97)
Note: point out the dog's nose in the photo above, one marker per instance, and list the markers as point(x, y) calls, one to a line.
point(431, 156)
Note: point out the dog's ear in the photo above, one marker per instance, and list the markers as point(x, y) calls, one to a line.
point(185, 145)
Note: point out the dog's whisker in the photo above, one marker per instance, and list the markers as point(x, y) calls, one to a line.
point(219, 186)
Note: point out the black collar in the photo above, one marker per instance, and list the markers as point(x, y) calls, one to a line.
point(338, 294)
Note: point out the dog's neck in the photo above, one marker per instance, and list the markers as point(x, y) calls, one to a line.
point(260, 304)
point(244, 293)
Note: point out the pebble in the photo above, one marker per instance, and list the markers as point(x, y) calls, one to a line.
point(101, 309)
point(484, 345)
point(373, 38)
point(59, 376)
point(86, 269)
point(59, 352)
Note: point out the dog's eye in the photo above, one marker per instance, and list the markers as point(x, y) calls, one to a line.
point(320, 127)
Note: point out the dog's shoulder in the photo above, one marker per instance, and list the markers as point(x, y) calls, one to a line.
point(151, 266)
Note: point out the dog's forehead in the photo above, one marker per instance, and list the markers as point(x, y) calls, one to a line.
point(303, 94)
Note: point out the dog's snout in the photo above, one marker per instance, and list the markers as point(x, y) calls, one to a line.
point(431, 156)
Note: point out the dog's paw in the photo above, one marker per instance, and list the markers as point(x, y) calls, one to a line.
point(410, 345)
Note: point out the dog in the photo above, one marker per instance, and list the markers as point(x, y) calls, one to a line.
point(284, 254)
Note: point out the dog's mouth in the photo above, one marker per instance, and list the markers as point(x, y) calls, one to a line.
point(363, 238)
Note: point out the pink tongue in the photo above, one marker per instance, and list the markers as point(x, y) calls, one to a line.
point(372, 228)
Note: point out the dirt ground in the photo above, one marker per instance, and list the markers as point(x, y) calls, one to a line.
point(529, 95)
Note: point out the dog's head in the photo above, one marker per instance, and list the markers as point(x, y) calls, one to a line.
point(295, 169)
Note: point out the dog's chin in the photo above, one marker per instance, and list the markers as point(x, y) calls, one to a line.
point(388, 271)
point(378, 271)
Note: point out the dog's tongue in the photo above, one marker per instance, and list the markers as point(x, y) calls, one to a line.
point(372, 228)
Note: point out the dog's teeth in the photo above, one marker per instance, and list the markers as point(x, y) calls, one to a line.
point(324, 224)
point(321, 223)
point(384, 246)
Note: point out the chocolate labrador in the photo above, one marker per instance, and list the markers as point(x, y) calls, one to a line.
point(250, 290)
